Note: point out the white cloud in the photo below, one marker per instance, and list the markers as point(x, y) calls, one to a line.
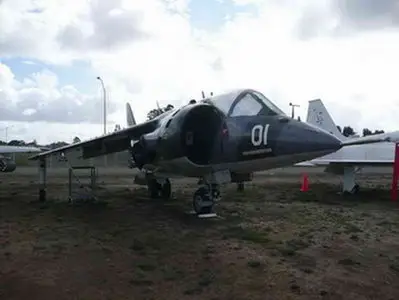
point(40, 99)
point(147, 51)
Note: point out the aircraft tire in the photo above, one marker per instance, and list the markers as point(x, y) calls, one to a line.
point(166, 190)
point(202, 201)
point(356, 189)
point(153, 188)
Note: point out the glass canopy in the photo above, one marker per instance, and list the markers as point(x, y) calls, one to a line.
point(245, 103)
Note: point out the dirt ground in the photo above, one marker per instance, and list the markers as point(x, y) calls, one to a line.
point(269, 242)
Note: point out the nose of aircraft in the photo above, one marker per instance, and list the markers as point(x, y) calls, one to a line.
point(300, 137)
point(322, 140)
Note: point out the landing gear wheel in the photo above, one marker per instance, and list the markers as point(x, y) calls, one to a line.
point(202, 201)
point(355, 189)
point(166, 190)
point(153, 188)
point(157, 190)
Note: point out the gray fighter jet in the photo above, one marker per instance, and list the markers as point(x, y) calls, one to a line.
point(220, 139)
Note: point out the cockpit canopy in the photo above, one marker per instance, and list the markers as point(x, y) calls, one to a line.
point(245, 103)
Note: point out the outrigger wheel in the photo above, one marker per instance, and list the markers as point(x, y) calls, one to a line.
point(158, 190)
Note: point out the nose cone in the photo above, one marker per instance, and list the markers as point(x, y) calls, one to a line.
point(301, 138)
point(322, 140)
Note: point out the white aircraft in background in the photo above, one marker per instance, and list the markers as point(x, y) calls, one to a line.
point(349, 160)
point(7, 164)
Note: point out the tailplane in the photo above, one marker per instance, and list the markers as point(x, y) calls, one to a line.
point(131, 121)
point(319, 116)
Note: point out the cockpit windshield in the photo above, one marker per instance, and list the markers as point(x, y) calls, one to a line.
point(245, 103)
point(268, 103)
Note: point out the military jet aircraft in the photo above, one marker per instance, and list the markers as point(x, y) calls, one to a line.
point(217, 139)
point(7, 164)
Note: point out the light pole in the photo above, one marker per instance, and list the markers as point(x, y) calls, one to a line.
point(104, 103)
point(105, 113)
point(6, 131)
point(293, 108)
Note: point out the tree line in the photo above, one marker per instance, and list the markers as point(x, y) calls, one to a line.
point(348, 131)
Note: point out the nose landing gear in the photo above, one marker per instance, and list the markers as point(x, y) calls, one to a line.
point(204, 199)
point(159, 188)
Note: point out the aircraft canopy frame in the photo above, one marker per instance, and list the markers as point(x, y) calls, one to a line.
point(246, 102)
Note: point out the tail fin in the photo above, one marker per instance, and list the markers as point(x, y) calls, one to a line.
point(319, 116)
point(131, 121)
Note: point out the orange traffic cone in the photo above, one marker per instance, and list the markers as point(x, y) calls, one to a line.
point(305, 183)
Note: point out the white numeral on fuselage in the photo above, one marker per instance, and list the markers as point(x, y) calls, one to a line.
point(259, 135)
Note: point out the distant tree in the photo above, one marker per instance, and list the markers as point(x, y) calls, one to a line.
point(348, 131)
point(367, 132)
point(76, 140)
point(153, 113)
point(168, 107)
point(339, 128)
point(16, 143)
point(32, 144)
point(57, 144)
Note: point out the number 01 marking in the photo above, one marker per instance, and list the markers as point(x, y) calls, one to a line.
point(259, 135)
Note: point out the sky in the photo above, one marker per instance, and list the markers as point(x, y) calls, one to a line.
point(344, 52)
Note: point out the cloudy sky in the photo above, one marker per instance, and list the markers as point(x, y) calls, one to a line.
point(51, 51)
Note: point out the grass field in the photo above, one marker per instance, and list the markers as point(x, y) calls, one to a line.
point(269, 242)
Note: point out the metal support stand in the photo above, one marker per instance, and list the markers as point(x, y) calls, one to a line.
point(85, 192)
point(42, 179)
point(349, 183)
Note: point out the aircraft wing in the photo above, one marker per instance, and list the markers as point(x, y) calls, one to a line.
point(357, 162)
point(18, 149)
point(367, 140)
point(114, 142)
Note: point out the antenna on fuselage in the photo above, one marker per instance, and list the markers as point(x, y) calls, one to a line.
point(203, 94)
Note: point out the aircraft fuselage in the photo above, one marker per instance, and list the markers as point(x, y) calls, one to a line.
point(199, 139)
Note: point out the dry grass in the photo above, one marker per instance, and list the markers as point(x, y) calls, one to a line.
point(269, 242)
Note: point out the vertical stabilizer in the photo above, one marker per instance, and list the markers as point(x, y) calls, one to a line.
point(129, 116)
point(319, 116)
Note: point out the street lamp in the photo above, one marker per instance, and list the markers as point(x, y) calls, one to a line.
point(105, 104)
point(293, 108)
point(6, 131)
point(105, 114)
